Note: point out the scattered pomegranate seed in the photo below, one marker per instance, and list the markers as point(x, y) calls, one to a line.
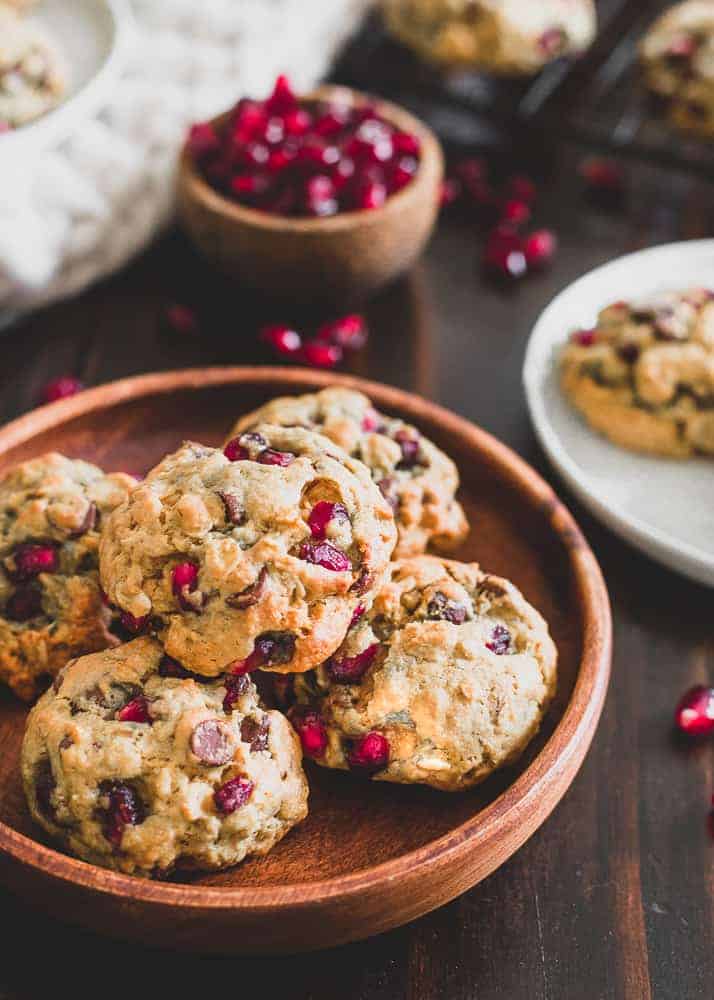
point(181, 319)
point(311, 730)
point(281, 338)
point(349, 332)
point(31, 559)
point(322, 514)
point(371, 752)
point(516, 212)
point(269, 456)
point(539, 248)
point(695, 712)
point(232, 795)
point(326, 555)
point(133, 624)
point(450, 191)
point(235, 451)
point(503, 255)
point(61, 388)
point(23, 604)
point(352, 669)
point(122, 807)
point(500, 641)
point(584, 338)
point(602, 175)
point(321, 355)
point(136, 710)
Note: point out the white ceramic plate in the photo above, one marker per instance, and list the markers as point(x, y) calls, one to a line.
point(94, 38)
point(664, 507)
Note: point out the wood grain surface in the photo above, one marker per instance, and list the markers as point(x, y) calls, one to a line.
point(614, 896)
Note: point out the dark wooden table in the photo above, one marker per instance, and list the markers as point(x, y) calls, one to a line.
point(614, 896)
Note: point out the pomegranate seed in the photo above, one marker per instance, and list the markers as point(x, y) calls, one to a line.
point(500, 641)
point(516, 212)
point(136, 710)
point(349, 332)
point(133, 624)
point(503, 254)
point(539, 248)
point(408, 441)
point(322, 513)
point(248, 186)
point(371, 752)
point(320, 196)
point(61, 388)
point(122, 807)
point(32, 559)
point(236, 686)
point(321, 355)
point(695, 711)
point(235, 451)
point(584, 338)
point(203, 141)
point(352, 669)
point(297, 122)
point(317, 155)
point(23, 604)
point(602, 175)
point(683, 46)
point(281, 338)
point(282, 100)
point(371, 421)
point(311, 730)
point(406, 144)
point(370, 196)
point(269, 456)
point(233, 794)
point(471, 169)
point(553, 41)
point(184, 580)
point(440, 607)
point(325, 555)
point(255, 154)
point(522, 188)
point(450, 191)
point(402, 173)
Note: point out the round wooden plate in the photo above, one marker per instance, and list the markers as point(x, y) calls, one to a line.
point(370, 856)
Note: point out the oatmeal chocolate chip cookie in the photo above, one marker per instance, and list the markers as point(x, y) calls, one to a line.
point(51, 606)
point(31, 79)
point(252, 557)
point(417, 479)
point(133, 764)
point(443, 680)
point(677, 56)
point(500, 36)
point(644, 375)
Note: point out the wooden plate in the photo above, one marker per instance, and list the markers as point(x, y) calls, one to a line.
point(370, 856)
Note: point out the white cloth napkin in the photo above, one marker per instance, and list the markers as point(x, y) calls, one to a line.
point(87, 205)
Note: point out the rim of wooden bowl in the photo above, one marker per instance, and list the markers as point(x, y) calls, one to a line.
point(431, 162)
point(558, 759)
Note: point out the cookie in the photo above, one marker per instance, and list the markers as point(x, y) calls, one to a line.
point(677, 56)
point(51, 607)
point(644, 375)
point(417, 479)
point(31, 77)
point(258, 559)
point(131, 764)
point(445, 679)
point(510, 37)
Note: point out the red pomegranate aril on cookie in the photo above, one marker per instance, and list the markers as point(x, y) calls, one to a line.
point(503, 255)
point(322, 513)
point(695, 712)
point(61, 388)
point(184, 576)
point(212, 743)
point(321, 355)
point(349, 332)
point(500, 641)
point(371, 752)
point(235, 451)
point(371, 421)
point(32, 558)
point(539, 248)
point(232, 795)
point(326, 555)
point(281, 338)
point(269, 456)
point(311, 730)
point(584, 338)
point(351, 669)
point(122, 807)
point(133, 624)
point(136, 710)
point(23, 604)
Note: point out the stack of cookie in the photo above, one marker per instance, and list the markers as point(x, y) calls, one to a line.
point(295, 555)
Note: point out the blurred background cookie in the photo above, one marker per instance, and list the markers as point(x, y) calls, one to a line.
point(32, 78)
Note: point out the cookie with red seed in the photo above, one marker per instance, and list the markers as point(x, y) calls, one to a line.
point(255, 556)
point(677, 57)
point(51, 606)
point(512, 37)
point(644, 374)
point(444, 679)
point(133, 764)
point(417, 478)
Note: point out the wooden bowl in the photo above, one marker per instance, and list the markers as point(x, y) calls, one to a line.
point(345, 256)
point(370, 856)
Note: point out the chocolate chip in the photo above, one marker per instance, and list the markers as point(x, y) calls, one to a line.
point(235, 513)
point(45, 784)
point(441, 608)
point(362, 583)
point(251, 595)
point(90, 522)
point(275, 647)
point(255, 732)
point(212, 743)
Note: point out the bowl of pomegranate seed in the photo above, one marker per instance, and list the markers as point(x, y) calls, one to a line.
point(326, 196)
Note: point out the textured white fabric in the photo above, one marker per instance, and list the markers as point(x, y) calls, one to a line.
point(88, 205)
